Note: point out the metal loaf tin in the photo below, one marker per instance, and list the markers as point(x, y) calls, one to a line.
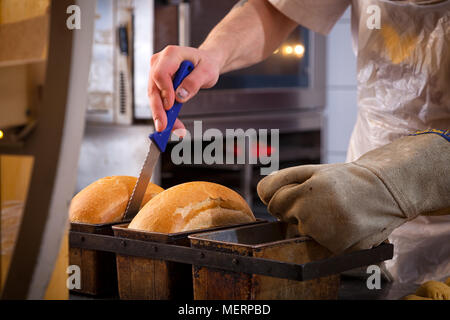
point(269, 241)
point(98, 268)
point(156, 279)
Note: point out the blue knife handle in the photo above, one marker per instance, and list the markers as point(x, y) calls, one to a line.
point(161, 138)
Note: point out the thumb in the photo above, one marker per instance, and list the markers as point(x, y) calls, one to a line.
point(267, 187)
point(200, 77)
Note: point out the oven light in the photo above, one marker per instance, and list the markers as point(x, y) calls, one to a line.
point(261, 149)
point(287, 50)
point(299, 50)
point(1, 134)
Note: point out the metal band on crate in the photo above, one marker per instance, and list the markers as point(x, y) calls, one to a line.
point(442, 133)
point(229, 261)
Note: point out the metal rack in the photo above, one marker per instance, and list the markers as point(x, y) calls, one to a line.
point(230, 261)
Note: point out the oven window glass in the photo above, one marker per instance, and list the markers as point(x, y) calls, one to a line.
point(286, 67)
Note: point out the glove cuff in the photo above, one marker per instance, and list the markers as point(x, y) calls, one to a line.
point(416, 171)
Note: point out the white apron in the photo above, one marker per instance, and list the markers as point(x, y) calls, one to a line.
point(403, 86)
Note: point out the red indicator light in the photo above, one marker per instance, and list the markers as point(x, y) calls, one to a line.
point(262, 149)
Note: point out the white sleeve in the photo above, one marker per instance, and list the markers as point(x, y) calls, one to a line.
point(317, 15)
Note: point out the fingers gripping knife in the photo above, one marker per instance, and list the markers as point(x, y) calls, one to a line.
point(158, 143)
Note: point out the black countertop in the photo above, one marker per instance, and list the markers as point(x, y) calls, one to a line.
point(356, 289)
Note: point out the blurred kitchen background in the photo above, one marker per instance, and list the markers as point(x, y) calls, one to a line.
point(306, 89)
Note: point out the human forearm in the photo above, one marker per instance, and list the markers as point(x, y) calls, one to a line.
point(248, 34)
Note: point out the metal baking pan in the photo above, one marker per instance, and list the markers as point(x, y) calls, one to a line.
point(275, 241)
point(254, 239)
point(226, 259)
point(156, 279)
point(98, 268)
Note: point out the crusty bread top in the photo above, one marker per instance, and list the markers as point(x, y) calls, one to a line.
point(191, 206)
point(105, 200)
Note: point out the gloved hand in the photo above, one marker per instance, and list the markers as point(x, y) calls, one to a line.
point(357, 205)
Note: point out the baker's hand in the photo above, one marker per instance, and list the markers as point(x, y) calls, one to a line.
point(357, 205)
point(163, 67)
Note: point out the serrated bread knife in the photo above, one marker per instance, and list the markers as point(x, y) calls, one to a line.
point(158, 143)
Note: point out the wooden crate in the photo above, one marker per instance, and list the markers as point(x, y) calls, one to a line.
point(270, 241)
point(151, 279)
point(98, 268)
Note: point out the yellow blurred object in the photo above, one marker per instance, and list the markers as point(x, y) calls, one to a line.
point(435, 290)
point(18, 10)
point(447, 282)
point(57, 287)
point(14, 95)
point(398, 47)
point(17, 19)
point(15, 177)
point(11, 215)
point(1, 134)
point(15, 174)
point(414, 297)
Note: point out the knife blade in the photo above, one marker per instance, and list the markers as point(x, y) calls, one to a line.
point(158, 144)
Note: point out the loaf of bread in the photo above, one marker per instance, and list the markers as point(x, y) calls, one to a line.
point(435, 290)
point(192, 206)
point(106, 199)
point(447, 281)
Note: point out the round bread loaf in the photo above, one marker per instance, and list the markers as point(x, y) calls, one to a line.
point(435, 290)
point(192, 206)
point(105, 200)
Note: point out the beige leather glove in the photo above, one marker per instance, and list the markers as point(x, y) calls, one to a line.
point(357, 205)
